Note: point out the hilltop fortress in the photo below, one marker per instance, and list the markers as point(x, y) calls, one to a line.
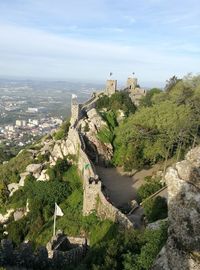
point(132, 87)
point(94, 197)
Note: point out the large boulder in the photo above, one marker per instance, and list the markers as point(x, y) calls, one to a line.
point(57, 151)
point(35, 169)
point(13, 187)
point(4, 218)
point(22, 178)
point(43, 176)
point(96, 119)
point(19, 214)
point(90, 127)
point(182, 250)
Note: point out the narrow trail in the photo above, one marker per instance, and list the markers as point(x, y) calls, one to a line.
point(120, 188)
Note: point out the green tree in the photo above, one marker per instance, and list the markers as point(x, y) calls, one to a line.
point(155, 208)
point(171, 83)
point(146, 101)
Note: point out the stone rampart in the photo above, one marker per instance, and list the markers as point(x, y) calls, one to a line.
point(93, 199)
point(106, 210)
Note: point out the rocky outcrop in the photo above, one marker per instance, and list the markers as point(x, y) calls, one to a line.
point(13, 187)
point(157, 224)
point(182, 250)
point(35, 169)
point(22, 178)
point(90, 127)
point(43, 176)
point(5, 218)
point(19, 214)
point(57, 151)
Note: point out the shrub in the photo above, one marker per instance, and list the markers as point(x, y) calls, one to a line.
point(150, 186)
point(126, 250)
point(17, 230)
point(10, 171)
point(118, 101)
point(62, 132)
point(105, 135)
point(86, 129)
point(155, 209)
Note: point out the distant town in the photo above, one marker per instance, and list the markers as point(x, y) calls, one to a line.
point(24, 132)
point(31, 109)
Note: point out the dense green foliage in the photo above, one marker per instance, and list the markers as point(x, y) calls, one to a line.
point(146, 101)
point(8, 152)
point(155, 208)
point(118, 101)
point(150, 186)
point(10, 171)
point(41, 197)
point(62, 132)
point(106, 134)
point(127, 250)
point(166, 128)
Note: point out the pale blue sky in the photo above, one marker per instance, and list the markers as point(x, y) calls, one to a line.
point(87, 39)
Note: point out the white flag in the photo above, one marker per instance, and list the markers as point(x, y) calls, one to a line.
point(74, 96)
point(58, 211)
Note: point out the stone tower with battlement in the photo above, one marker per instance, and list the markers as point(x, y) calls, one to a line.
point(132, 83)
point(75, 110)
point(111, 87)
point(135, 92)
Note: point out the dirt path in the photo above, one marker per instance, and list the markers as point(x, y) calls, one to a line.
point(122, 189)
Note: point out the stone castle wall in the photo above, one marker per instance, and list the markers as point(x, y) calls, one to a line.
point(93, 199)
point(75, 111)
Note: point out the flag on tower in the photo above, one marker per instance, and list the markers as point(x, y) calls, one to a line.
point(58, 211)
point(111, 74)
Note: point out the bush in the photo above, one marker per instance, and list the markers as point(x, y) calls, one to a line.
point(62, 132)
point(118, 101)
point(126, 250)
point(17, 230)
point(155, 209)
point(150, 187)
point(105, 135)
point(10, 172)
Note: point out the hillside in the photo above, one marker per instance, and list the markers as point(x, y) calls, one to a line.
point(107, 131)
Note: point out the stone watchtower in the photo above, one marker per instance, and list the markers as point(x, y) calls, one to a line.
point(135, 92)
point(111, 87)
point(75, 110)
point(132, 83)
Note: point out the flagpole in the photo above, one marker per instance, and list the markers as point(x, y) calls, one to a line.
point(54, 223)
